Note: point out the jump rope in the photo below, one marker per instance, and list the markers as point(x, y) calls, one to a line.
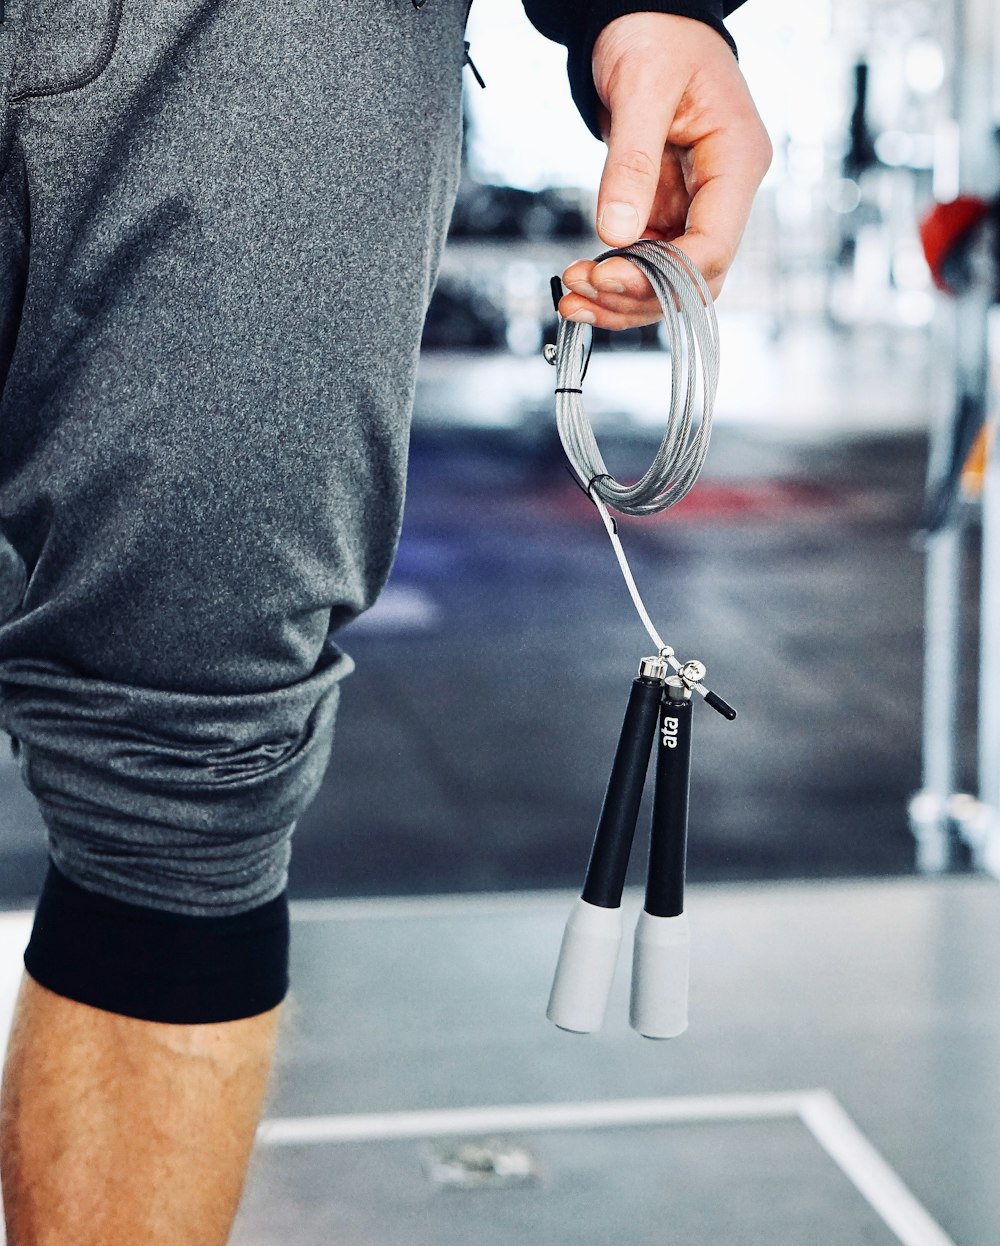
point(659, 707)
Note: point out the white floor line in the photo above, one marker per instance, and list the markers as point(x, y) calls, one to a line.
point(385, 1126)
point(884, 1189)
point(818, 1110)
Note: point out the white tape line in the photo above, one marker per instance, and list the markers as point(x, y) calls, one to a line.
point(524, 1117)
point(851, 1151)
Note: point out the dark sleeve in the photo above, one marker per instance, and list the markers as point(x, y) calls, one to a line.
point(577, 23)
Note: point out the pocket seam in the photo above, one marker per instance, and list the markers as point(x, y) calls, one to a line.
point(83, 77)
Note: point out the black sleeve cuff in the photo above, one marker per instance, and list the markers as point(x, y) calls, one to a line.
point(577, 27)
point(157, 966)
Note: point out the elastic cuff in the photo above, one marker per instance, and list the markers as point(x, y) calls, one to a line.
point(154, 965)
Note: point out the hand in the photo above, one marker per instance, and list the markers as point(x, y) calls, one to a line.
point(686, 153)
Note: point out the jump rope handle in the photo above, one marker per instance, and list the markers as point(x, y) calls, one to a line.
point(661, 956)
point(590, 945)
point(592, 938)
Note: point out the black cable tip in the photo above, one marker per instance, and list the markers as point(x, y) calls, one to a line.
point(717, 703)
point(555, 285)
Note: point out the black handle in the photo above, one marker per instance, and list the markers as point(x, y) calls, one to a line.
point(668, 837)
point(616, 826)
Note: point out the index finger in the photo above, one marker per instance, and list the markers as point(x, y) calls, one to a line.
point(614, 276)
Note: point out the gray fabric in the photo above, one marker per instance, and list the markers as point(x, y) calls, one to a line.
point(219, 238)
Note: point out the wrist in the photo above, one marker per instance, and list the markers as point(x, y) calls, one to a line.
point(687, 37)
point(683, 28)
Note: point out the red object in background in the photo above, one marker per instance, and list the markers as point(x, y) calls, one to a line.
point(945, 230)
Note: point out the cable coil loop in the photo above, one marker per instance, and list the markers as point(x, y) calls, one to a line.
point(693, 339)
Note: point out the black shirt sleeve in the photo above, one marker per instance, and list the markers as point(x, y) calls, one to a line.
point(577, 23)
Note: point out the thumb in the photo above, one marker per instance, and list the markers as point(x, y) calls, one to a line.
point(636, 140)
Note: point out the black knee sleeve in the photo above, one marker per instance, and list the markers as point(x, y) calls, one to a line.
point(158, 966)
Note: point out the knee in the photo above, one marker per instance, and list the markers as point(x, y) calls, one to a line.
point(169, 819)
point(176, 801)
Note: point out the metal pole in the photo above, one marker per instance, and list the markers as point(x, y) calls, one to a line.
point(979, 110)
point(987, 839)
point(933, 810)
point(929, 809)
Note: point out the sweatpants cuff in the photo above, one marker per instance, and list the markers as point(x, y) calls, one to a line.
point(155, 965)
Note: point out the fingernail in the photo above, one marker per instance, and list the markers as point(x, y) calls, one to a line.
point(583, 317)
point(584, 288)
point(619, 221)
point(611, 287)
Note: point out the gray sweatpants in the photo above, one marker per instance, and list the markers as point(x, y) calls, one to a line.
point(220, 224)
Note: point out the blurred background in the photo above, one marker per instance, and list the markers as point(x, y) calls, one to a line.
point(476, 736)
point(795, 569)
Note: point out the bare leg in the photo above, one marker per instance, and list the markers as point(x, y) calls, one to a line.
point(114, 1130)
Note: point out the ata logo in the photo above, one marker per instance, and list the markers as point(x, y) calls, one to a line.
point(669, 731)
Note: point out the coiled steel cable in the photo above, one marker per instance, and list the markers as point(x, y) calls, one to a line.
point(693, 338)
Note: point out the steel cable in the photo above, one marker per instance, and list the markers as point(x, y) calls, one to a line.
point(692, 334)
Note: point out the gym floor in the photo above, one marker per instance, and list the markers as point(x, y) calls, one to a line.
point(434, 872)
point(838, 1083)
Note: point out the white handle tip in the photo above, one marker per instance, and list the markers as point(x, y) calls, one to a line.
point(660, 975)
point(586, 968)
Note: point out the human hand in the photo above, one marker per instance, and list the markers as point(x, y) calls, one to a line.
point(686, 153)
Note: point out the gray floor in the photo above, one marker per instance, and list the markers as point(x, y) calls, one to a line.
point(883, 993)
point(676, 1184)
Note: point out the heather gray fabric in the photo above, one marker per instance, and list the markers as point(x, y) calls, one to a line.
point(220, 225)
